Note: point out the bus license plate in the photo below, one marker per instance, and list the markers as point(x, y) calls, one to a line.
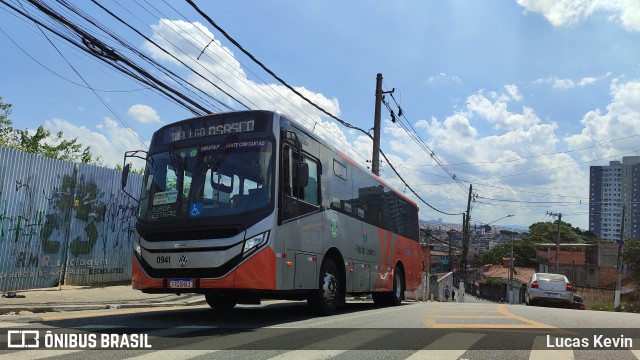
point(180, 283)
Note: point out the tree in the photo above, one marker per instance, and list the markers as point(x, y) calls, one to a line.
point(523, 251)
point(630, 256)
point(547, 232)
point(7, 133)
point(42, 142)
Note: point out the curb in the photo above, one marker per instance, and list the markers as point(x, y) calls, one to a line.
point(36, 309)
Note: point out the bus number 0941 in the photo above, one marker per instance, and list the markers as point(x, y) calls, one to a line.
point(163, 259)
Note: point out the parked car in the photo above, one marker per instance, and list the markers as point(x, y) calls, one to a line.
point(544, 288)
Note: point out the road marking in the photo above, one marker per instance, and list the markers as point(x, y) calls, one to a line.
point(102, 326)
point(462, 341)
point(502, 309)
point(469, 316)
point(348, 342)
point(636, 351)
point(342, 318)
point(172, 354)
point(111, 313)
point(9, 325)
point(540, 342)
point(526, 324)
point(308, 354)
point(36, 354)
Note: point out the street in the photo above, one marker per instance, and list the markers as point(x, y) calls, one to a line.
point(286, 330)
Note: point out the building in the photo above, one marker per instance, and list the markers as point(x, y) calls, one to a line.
point(610, 189)
point(589, 265)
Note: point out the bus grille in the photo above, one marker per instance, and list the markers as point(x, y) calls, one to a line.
point(192, 234)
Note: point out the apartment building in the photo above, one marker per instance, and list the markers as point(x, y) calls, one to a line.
point(610, 189)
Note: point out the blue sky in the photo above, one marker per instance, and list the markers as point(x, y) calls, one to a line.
point(518, 98)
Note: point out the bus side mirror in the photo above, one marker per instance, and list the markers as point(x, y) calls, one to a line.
point(303, 175)
point(125, 175)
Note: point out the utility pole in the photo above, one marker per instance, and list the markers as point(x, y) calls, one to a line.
point(559, 215)
point(616, 298)
point(465, 245)
point(375, 162)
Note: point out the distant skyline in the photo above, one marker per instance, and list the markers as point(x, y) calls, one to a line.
point(518, 98)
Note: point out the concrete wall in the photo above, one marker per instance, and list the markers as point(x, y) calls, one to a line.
point(61, 220)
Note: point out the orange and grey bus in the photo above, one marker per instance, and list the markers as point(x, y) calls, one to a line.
point(250, 205)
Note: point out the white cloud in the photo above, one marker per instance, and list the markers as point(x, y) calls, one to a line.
point(564, 84)
point(496, 112)
point(443, 78)
point(218, 65)
point(109, 141)
point(143, 114)
point(570, 12)
point(619, 121)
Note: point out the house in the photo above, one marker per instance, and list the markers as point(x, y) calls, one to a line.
point(495, 283)
point(588, 265)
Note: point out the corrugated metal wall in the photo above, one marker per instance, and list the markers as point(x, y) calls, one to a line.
point(61, 220)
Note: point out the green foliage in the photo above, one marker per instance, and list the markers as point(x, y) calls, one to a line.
point(42, 141)
point(495, 281)
point(523, 251)
point(547, 232)
point(632, 307)
point(630, 256)
point(7, 134)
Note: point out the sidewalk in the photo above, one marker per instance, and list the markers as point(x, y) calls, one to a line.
point(70, 298)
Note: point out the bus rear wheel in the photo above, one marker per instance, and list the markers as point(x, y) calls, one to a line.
point(221, 302)
point(326, 298)
point(393, 298)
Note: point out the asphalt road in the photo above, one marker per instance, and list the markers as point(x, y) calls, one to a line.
point(286, 330)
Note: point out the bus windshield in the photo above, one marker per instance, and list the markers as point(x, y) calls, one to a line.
point(221, 179)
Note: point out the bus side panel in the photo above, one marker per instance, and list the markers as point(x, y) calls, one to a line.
point(345, 233)
point(381, 274)
point(408, 252)
point(303, 235)
point(140, 280)
point(258, 272)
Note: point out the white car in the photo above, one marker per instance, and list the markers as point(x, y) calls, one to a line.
point(550, 289)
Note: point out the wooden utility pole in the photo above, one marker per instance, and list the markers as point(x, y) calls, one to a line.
point(375, 161)
point(559, 215)
point(465, 238)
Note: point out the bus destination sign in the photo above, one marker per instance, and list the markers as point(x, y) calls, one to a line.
point(177, 134)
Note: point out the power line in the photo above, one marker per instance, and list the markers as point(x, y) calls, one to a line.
point(275, 76)
point(62, 77)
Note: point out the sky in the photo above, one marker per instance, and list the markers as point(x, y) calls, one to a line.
point(517, 98)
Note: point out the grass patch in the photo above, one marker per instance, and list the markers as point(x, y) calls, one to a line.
point(632, 307)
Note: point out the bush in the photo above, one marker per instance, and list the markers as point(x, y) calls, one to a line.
point(602, 307)
point(633, 307)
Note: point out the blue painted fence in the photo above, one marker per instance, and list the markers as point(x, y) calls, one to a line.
point(62, 221)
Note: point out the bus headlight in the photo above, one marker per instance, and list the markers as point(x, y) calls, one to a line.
point(136, 248)
point(255, 242)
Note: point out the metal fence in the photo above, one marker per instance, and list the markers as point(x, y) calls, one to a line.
point(63, 222)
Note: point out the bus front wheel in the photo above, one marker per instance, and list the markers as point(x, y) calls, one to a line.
point(221, 302)
point(326, 298)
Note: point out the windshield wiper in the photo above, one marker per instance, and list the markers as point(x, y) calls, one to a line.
point(215, 159)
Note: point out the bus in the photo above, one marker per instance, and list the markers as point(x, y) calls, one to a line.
point(250, 205)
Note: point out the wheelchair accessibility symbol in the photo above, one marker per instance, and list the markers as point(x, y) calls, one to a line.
point(195, 210)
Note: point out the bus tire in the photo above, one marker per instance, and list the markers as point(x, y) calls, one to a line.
point(221, 302)
point(397, 294)
point(393, 298)
point(324, 300)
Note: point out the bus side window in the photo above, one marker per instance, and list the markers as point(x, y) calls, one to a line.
point(308, 193)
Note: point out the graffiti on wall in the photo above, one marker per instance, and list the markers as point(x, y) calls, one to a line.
point(73, 226)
